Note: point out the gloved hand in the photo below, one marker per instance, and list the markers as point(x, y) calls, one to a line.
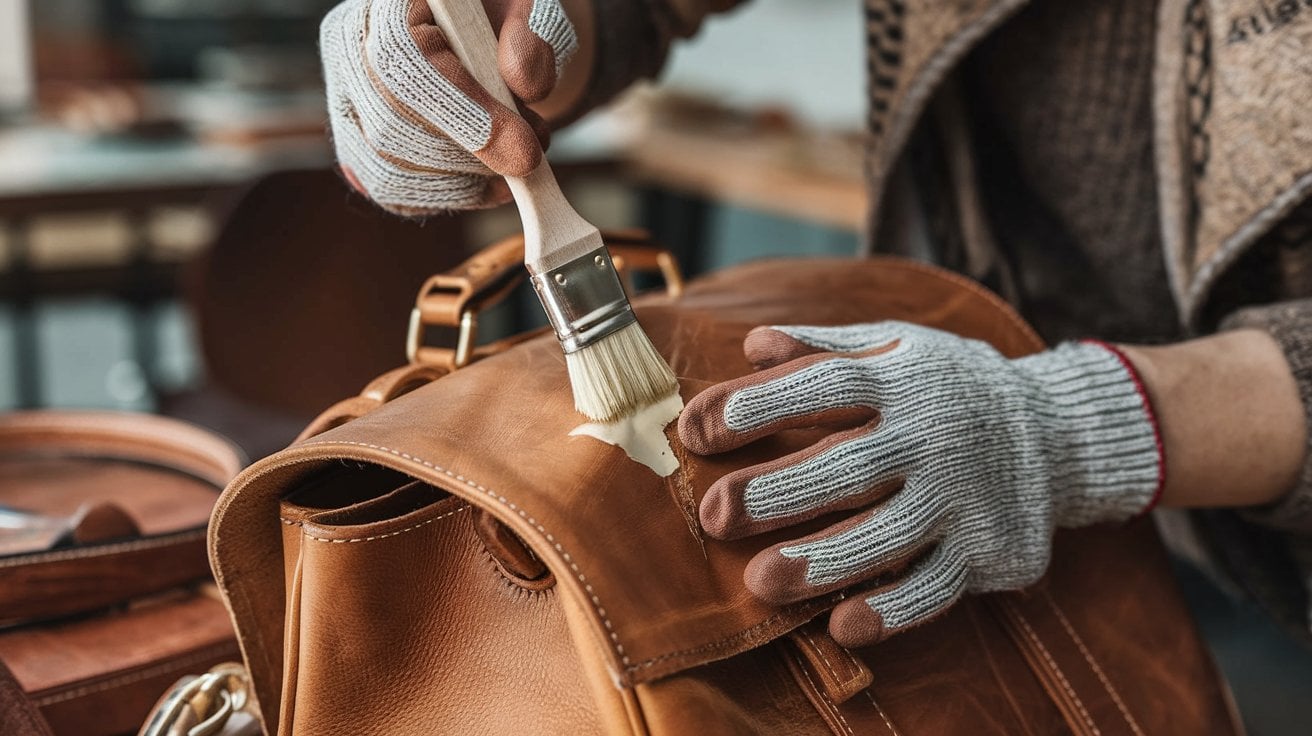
point(954, 467)
point(412, 129)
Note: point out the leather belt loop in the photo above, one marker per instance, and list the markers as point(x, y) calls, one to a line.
point(840, 673)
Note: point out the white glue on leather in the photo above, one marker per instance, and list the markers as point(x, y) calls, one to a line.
point(641, 435)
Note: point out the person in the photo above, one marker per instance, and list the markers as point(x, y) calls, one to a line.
point(1134, 172)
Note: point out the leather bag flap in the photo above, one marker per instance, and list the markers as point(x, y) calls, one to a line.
point(623, 544)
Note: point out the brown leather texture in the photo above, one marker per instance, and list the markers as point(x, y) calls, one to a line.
point(97, 622)
point(100, 676)
point(367, 598)
point(159, 475)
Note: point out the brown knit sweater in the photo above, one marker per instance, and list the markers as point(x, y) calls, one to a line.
point(1034, 140)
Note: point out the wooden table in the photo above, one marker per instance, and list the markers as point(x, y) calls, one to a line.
point(683, 170)
point(766, 172)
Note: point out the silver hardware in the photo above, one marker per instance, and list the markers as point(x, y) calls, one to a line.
point(584, 300)
point(207, 701)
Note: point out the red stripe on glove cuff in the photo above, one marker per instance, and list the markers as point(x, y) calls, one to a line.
point(1152, 417)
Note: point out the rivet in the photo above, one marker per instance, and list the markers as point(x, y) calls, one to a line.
point(601, 262)
point(560, 279)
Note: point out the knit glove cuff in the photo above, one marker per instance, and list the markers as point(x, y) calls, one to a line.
point(1100, 435)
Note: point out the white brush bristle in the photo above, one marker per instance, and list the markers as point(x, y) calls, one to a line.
point(618, 375)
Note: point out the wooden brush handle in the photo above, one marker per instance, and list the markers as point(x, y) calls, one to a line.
point(553, 232)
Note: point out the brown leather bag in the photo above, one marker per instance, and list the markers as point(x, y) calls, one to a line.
point(452, 562)
point(102, 565)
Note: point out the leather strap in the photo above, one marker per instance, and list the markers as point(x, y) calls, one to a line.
point(62, 582)
point(1059, 659)
point(381, 390)
point(828, 664)
point(455, 298)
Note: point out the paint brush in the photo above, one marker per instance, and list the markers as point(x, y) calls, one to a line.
point(613, 367)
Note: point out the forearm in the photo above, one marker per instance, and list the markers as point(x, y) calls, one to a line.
point(1232, 423)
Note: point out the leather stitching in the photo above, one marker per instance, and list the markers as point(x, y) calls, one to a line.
point(1052, 663)
point(107, 550)
point(379, 536)
point(820, 693)
point(856, 663)
point(511, 583)
point(828, 665)
point(551, 539)
point(175, 665)
point(600, 610)
point(892, 729)
point(745, 633)
point(1088, 657)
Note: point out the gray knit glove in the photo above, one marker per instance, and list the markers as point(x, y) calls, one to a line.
point(952, 464)
point(412, 128)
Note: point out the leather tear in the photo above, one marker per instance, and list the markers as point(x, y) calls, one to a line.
point(680, 487)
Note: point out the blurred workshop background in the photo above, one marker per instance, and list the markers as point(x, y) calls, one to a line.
point(174, 239)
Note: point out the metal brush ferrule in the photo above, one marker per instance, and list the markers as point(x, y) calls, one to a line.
point(584, 300)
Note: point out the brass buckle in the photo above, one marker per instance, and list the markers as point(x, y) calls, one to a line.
point(464, 350)
point(457, 297)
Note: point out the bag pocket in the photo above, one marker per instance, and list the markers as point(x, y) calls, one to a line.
point(387, 597)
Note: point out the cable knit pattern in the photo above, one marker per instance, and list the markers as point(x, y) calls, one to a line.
point(994, 453)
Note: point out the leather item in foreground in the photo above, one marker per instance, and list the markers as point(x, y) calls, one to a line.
point(454, 562)
point(100, 616)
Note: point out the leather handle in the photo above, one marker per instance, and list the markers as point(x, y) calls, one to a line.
point(394, 383)
point(140, 437)
point(456, 297)
point(484, 277)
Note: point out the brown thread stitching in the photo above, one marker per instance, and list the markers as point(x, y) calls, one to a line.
point(884, 716)
point(820, 693)
point(510, 583)
point(389, 534)
point(146, 674)
point(1088, 657)
point(1061, 676)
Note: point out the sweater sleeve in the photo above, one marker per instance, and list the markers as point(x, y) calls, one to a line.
point(1265, 551)
point(633, 39)
point(1290, 323)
